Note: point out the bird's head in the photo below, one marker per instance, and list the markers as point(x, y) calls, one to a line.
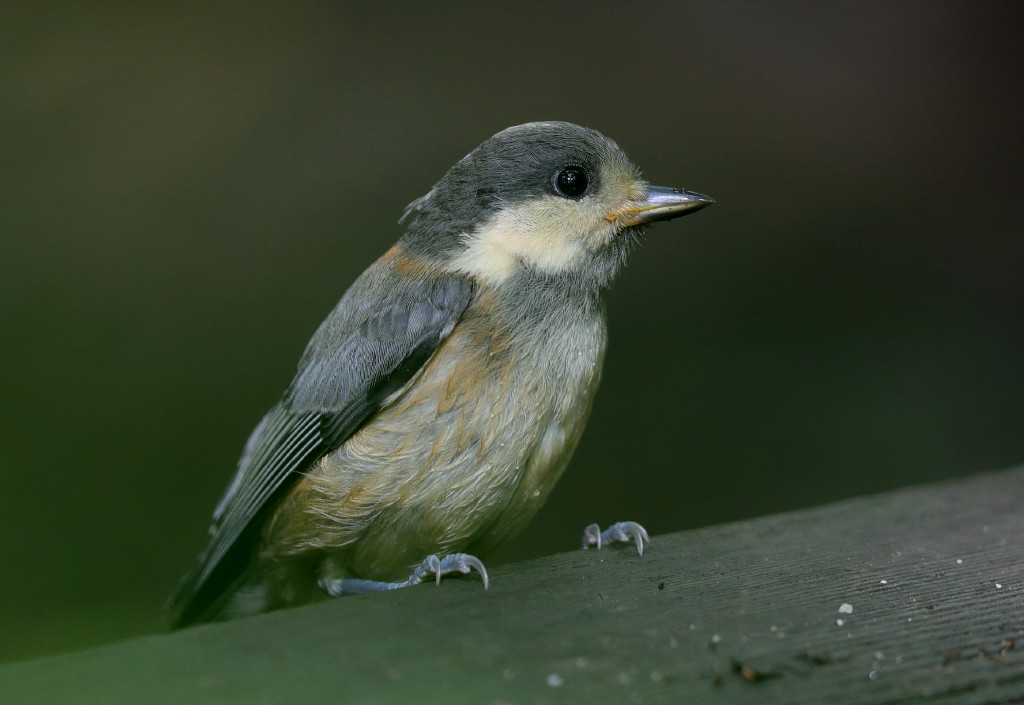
point(548, 198)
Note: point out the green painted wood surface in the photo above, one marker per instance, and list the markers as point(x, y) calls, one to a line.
point(741, 613)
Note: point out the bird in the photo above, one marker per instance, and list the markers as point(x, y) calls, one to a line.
point(438, 403)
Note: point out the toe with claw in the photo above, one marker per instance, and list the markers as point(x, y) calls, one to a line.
point(620, 532)
point(452, 563)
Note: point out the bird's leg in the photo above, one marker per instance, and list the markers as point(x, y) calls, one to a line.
point(620, 532)
point(431, 566)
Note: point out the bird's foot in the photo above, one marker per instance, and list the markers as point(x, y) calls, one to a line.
point(620, 532)
point(431, 566)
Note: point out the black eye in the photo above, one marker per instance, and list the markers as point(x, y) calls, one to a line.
point(571, 181)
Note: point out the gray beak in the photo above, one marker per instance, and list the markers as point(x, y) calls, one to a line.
point(665, 204)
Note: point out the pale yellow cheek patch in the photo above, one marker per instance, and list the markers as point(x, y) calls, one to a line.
point(486, 258)
point(549, 237)
point(494, 254)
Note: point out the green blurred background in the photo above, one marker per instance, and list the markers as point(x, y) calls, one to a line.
point(188, 188)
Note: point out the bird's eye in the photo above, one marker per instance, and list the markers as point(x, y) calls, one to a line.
point(571, 181)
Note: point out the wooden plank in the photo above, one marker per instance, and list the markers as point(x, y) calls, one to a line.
point(750, 612)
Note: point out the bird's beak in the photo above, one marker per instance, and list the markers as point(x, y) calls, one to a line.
point(661, 203)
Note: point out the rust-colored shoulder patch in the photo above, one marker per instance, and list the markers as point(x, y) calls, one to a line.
point(393, 252)
point(408, 266)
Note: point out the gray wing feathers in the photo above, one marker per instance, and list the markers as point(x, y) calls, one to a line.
point(380, 333)
point(281, 443)
point(344, 362)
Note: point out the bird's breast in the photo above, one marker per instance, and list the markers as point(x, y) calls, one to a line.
point(463, 457)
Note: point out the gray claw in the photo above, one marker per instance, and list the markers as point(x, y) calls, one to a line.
point(463, 563)
point(432, 564)
point(620, 532)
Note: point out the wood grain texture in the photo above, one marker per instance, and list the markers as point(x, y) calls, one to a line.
point(742, 613)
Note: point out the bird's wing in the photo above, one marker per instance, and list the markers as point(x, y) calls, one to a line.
point(380, 334)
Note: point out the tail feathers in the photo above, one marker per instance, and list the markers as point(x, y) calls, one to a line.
point(233, 591)
point(202, 593)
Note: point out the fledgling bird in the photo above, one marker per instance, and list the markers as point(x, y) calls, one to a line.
point(439, 402)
